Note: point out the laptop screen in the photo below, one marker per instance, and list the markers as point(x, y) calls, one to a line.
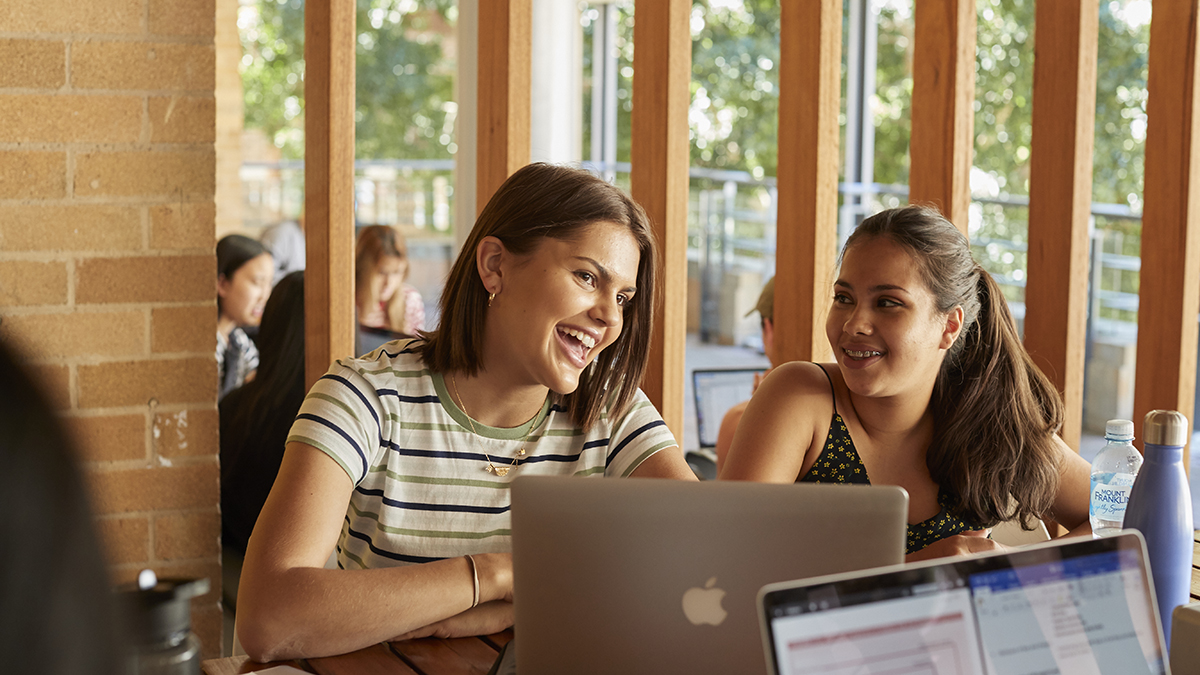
point(717, 391)
point(1079, 606)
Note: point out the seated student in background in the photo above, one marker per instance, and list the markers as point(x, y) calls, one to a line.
point(256, 417)
point(244, 273)
point(285, 241)
point(401, 461)
point(59, 615)
point(766, 311)
point(932, 391)
point(382, 298)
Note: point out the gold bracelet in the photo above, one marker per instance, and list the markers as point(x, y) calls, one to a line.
point(474, 581)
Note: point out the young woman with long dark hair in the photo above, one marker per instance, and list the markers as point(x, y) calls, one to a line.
point(256, 417)
point(400, 461)
point(932, 391)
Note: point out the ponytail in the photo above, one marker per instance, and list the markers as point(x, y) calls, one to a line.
point(995, 416)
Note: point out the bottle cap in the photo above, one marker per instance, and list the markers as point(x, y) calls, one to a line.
point(1165, 427)
point(1119, 430)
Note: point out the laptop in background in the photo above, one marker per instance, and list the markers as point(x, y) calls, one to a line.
point(715, 392)
point(1079, 606)
point(653, 576)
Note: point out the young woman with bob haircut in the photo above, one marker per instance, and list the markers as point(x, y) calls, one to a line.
point(400, 461)
point(932, 391)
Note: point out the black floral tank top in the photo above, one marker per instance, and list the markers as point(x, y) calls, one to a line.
point(839, 463)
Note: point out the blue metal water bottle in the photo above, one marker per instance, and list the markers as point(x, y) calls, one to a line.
point(1160, 506)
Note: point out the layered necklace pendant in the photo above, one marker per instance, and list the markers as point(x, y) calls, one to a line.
point(491, 468)
point(502, 471)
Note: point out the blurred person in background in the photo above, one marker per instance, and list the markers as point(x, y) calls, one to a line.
point(256, 417)
point(245, 269)
point(382, 298)
point(766, 311)
point(285, 241)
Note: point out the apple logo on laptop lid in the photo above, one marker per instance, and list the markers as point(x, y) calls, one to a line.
point(703, 605)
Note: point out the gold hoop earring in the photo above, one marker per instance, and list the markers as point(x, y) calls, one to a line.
point(491, 297)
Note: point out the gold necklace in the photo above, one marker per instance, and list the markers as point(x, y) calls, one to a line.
point(501, 471)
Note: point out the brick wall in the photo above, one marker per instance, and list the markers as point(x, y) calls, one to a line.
point(107, 178)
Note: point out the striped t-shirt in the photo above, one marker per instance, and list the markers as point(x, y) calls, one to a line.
point(421, 488)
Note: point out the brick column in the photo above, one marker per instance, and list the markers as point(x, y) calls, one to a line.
point(107, 276)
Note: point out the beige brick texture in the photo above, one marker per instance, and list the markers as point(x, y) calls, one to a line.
point(126, 540)
point(26, 283)
point(142, 65)
point(159, 489)
point(183, 119)
point(146, 279)
point(187, 433)
point(92, 228)
point(206, 624)
point(183, 226)
point(137, 382)
point(111, 438)
point(62, 118)
point(187, 174)
point(187, 535)
point(183, 17)
point(72, 16)
point(184, 329)
point(32, 175)
point(36, 64)
point(77, 334)
point(55, 382)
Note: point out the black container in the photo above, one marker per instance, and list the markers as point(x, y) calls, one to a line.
point(159, 612)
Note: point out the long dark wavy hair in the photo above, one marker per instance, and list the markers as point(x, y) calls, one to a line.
point(995, 413)
point(539, 202)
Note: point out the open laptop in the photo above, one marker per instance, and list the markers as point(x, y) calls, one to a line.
point(1079, 606)
point(715, 392)
point(653, 576)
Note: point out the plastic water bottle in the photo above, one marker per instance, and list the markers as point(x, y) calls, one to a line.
point(1113, 473)
point(1160, 507)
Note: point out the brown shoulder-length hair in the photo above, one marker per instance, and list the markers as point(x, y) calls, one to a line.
point(539, 202)
point(375, 242)
point(995, 413)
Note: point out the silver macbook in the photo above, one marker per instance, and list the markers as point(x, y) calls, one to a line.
point(1079, 606)
point(654, 576)
point(715, 392)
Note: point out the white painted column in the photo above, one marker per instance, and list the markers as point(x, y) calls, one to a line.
point(557, 91)
point(466, 88)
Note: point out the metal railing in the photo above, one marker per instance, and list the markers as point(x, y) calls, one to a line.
point(731, 227)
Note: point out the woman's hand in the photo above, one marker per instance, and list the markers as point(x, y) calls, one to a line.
point(488, 618)
point(495, 577)
point(966, 543)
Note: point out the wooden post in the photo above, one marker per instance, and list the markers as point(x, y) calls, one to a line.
point(806, 234)
point(329, 38)
point(1169, 295)
point(1060, 197)
point(505, 42)
point(662, 47)
point(942, 139)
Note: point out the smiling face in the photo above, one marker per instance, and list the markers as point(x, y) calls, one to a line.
point(559, 306)
point(244, 296)
point(885, 330)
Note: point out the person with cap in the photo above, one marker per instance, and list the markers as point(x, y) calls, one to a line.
point(766, 311)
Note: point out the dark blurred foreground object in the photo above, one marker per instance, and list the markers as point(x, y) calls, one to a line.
point(57, 611)
point(159, 613)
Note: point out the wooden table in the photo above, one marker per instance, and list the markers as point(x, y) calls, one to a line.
point(431, 656)
point(428, 656)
